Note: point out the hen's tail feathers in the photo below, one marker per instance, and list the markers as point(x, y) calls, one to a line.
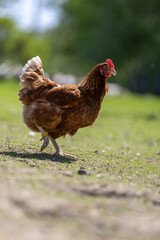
point(32, 71)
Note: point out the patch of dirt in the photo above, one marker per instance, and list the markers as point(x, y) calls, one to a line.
point(119, 191)
point(26, 215)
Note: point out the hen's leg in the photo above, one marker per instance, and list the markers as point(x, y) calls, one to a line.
point(46, 142)
point(45, 138)
point(59, 151)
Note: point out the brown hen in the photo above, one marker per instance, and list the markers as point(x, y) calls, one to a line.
point(56, 110)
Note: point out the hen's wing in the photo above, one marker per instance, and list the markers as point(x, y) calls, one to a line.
point(65, 96)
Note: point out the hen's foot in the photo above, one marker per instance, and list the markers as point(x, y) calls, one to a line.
point(45, 143)
point(60, 153)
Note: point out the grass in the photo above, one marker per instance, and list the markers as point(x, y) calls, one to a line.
point(122, 149)
point(124, 142)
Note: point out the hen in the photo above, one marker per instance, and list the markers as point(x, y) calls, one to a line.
point(56, 110)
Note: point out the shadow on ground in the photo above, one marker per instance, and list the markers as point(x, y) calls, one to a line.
point(38, 156)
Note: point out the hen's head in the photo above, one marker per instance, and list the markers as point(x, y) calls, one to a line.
point(107, 69)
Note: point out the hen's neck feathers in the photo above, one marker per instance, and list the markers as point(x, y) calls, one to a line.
point(94, 84)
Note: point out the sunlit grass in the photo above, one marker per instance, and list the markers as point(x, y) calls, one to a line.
point(123, 144)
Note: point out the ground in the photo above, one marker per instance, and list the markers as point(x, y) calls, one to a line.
point(118, 197)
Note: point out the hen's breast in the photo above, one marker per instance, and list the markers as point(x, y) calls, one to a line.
point(82, 115)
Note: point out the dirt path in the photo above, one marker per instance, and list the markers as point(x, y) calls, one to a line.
point(36, 204)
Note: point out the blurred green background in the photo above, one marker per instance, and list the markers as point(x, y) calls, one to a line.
point(71, 36)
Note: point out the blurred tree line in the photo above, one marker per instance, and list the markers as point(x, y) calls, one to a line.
point(90, 31)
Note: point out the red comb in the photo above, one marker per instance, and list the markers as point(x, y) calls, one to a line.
point(110, 63)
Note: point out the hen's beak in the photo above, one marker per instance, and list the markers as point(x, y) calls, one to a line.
point(113, 71)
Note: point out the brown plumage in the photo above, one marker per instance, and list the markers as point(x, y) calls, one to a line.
point(61, 109)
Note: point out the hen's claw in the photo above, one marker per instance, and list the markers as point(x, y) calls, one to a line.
point(60, 153)
point(45, 143)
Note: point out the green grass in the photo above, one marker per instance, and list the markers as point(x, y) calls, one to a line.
point(122, 147)
point(123, 143)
